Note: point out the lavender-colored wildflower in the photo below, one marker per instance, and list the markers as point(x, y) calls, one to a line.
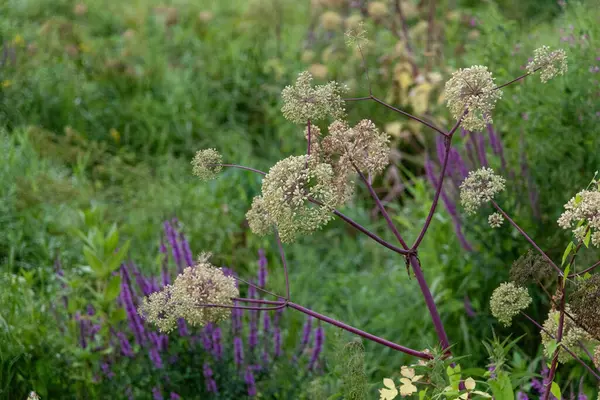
point(491, 370)
point(318, 346)
point(277, 342)
point(522, 396)
point(236, 318)
point(82, 330)
point(155, 358)
point(126, 349)
point(217, 348)
point(266, 323)
point(262, 268)
point(143, 283)
point(496, 144)
point(253, 335)
point(156, 393)
point(206, 336)
point(172, 239)
point(187, 252)
point(211, 385)
point(238, 351)
point(250, 383)
point(174, 396)
point(133, 318)
point(482, 153)
point(107, 371)
point(182, 327)
point(306, 333)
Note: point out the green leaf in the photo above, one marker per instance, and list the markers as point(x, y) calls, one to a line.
point(555, 390)
point(113, 289)
point(502, 387)
point(118, 315)
point(115, 259)
point(552, 346)
point(586, 239)
point(112, 240)
point(566, 273)
point(93, 260)
point(566, 253)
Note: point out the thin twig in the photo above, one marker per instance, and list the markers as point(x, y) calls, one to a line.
point(575, 274)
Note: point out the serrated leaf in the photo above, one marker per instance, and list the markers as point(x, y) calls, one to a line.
point(567, 252)
point(555, 390)
point(113, 288)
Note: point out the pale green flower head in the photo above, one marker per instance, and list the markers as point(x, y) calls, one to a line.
point(472, 89)
point(597, 356)
point(550, 63)
point(303, 102)
point(584, 207)
point(258, 218)
point(286, 191)
point(201, 284)
point(479, 188)
point(363, 145)
point(207, 164)
point(572, 335)
point(356, 36)
point(495, 220)
point(507, 301)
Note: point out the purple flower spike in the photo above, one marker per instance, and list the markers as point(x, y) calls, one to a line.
point(126, 349)
point(238, 351)
point(187, 252)
point(217, 348)
point(107, 371)
point(207, 337)
point(262, 268)
point(156, 393)
point(155, 358)
point(182, 327)
point(318, 346)
point(250, 383)
point(211, 385)
point(267, 323)
point(174, 396)
point(133, 318)
point(522, 396)
point(306, 333)
point(172, 239)
point(277, 341)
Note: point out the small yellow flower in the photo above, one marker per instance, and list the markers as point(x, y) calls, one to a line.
point(6, 83)
point(389, 392)
point(407, 388)
point(18, 40)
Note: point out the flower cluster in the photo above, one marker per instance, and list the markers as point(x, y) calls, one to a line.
point(302, 102)
point(207, 164)
point(530, 268)
point(549, 63)
point(363, 146)
point(584, 207)
point(472, 91)
point(287, 192)
point(572, 335)
point(495, 220)
point(507, 301)
point(597, 356)
point(585, 302)
point(480, 187)
point(198, 285)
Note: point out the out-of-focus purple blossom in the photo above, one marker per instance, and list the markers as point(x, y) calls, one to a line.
point(172, 239)
point(155, 358)
point(470, 153)
point(187, 252)
point(93, 330)
point(522, 396)
point(238, 351)
point(250, 383)
point(496, 144)
point(537, 385)
point(174, 396)
point(458, 164)
point(306, 330)
point(211, 385)
point(594, 69)
point(82, 330)
point(469, 308)
point(217, 347)
point(142, 282)
point(277, 342)
point(129, 393)
point(253, 334)
point(133, 318)
point(107, 371)
point(236, 318)
point(182, 327)
point(262, 268)
point(278, 314)
point(318, 346)
point(525, 116)
point(207, 337)
point(126, 349)
point(266, 324)
point(156, 393)
point(491, 370)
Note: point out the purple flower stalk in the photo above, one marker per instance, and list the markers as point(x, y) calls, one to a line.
point(306, 333)
point(318, 346)
point(277, 342)
point(133, 318)
point(250, 383)
point(262, 268)
point(217, 348)
point(172, 239)
point(107, 371)
point(187, 252)
point(238, 351)
point(182, 327)
point(126, 349)
point(253, 335)
point(155, 358)
point(266, 324)
point(522, 396)
point(156, 393)
point(206, 336)
point(211, 385)
point(174, 396)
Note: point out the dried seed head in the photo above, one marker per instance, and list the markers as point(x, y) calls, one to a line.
point(585, 302)
point(550, 63)
point(207, 164)
point(480, 187)
point(507, 301)
point(572, 335)
point(363, 146)
point(530, 268)
point(495, 220)
point(286, 191)
point(198, 285)
point(302, 102)
point(583, 213)
point(472, 90)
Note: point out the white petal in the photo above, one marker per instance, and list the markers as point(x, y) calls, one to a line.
point(407, 372)
point(470, 384)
